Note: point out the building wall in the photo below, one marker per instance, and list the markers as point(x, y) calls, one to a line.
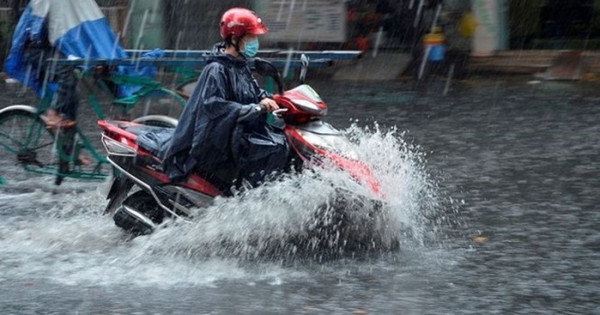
point(146, 25)
point(554, 24)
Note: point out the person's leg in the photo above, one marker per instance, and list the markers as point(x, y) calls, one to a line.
point(66, 100)
point(63, 108)
point(35, 59)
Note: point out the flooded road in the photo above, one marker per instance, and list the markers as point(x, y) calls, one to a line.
point(495, 188)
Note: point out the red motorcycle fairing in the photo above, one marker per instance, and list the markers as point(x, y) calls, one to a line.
point(193, 182)
point(313, 154)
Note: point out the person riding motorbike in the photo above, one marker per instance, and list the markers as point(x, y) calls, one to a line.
point(222, 132)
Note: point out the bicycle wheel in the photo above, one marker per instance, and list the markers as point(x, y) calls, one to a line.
point(24, 141)
point(157, 121)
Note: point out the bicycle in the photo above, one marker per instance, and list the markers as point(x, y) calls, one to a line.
point(39, 150)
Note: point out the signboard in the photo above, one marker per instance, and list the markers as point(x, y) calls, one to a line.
point(304, 20)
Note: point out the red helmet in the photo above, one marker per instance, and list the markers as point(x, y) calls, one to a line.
point(239, 22)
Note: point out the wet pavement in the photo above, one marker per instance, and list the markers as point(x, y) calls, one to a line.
point(495, 186)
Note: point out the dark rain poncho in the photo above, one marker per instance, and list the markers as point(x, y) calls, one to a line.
point(223, 130)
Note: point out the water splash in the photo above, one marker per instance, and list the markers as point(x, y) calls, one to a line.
point(294, 217)
point(66, 238)
point(401, 167)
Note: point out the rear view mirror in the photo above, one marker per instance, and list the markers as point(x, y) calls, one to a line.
point(305, 61)
point(267, 69)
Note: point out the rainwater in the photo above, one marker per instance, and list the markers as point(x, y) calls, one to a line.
point(495, 186)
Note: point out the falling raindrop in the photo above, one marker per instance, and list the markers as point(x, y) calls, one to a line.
point(448, 80)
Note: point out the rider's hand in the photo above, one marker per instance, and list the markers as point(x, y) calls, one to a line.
point(269, 104)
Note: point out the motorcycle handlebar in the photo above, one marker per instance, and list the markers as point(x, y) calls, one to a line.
point(279, 112)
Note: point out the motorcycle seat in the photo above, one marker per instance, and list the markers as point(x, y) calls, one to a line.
point(152, 139)
point(140, 129)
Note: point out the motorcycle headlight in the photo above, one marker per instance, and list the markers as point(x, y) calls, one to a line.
point(333, 143)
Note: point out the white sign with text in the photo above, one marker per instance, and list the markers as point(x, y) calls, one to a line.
point(304, 20)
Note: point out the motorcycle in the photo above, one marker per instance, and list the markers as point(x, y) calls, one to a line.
point(157, 201)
